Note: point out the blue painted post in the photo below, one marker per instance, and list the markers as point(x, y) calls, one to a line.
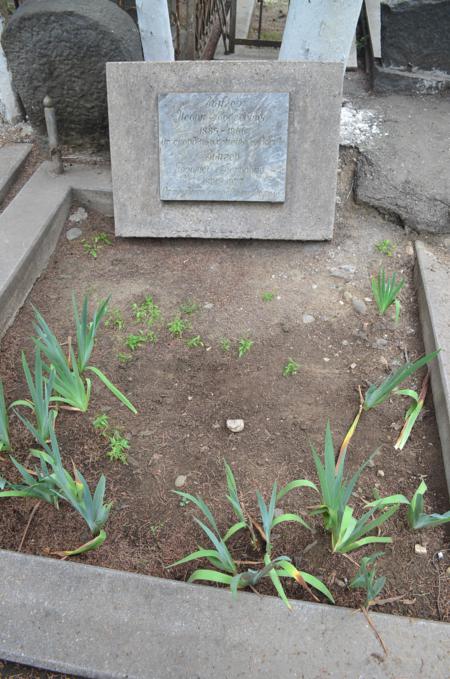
point(154, 26)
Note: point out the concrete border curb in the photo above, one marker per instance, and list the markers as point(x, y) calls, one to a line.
point(433, 289)
point(12, 158)
point(31, 225)
point(107, 624)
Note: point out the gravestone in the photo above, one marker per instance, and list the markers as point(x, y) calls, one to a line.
point(60, 48)
point(225, 149)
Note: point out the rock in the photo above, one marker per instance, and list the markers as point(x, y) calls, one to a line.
point(60, 48)
point(344, 343)
point(348, 296)
point(78, 216)
point(208, 305)
point(307, 318)
point(180, 481)
point(420, 549)
point(345, 271)
point(235, 425)
point(74, 233)
point(409, 249)
point(340, 583)
point(380, 343)
point(359, 306)
point(371, 463)
point(380, 472)
point(352, 366)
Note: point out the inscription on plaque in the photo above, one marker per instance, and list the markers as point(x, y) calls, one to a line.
point(223, 147)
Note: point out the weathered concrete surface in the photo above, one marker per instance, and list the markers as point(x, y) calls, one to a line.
point(107, 624)
point(322, 30)
point(433, 284)
point(31, 224)
point(404, 170)
point(314, 109)
point(12, 157)
point(389, 80)
point(60, 48)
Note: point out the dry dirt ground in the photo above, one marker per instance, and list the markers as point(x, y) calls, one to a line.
point(184, 396)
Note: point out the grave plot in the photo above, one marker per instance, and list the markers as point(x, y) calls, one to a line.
point(279, 335)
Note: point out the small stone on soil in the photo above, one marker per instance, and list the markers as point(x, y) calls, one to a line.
point(359, 306)
point(180, 481)
point(380, 343)
point(345, 271)
point(380, 472)
point(348, 296)
point(235, 425)
point(78, 216)
point(420, 549)
point(74, 233)
point(307, 318)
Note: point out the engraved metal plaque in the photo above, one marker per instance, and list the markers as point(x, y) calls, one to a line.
point(223, 146)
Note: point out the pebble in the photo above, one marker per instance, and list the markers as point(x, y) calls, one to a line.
point(380, 472)
point(352, 366)
point(380, 343)
point(180, 481)
point(208, 305)
point(78, 216)
point(371, 463)
point(348, 296)
point(344, 343)
point(420, 549)
point(409, 249)
point(340, 583)
point(73, 233)
point(345, 271)
point(307, 318)
point(235, 425)
point(359, 306)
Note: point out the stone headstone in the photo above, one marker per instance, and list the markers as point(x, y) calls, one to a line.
point(225, 149)
point(60, 48)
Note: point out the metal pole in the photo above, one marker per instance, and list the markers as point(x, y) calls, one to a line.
point(232, 35)
point(52, 133)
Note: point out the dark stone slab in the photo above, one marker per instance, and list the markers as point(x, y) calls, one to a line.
point(415, 34)
point(223, 146)
point(60, 48)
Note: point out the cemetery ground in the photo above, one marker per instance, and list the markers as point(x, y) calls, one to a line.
point(308, 303)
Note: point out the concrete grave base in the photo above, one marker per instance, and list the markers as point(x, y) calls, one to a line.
point(107, 624)
point(315, 91)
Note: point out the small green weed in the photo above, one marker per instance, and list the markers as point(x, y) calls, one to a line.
point(92, 247)
point(291, 368)
point(177, 326)
point(118, 447)
point(189, 307)
point(195, 342)
point(133, 342)
point(385, 291)
point(115, 320)
point(101, 422)
point(124, 358)
point(147, 311)
point(268, 296)
point(244, 346)
point(225, 344)
point(386, 247)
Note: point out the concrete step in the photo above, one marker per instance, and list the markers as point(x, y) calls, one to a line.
point(12, 159)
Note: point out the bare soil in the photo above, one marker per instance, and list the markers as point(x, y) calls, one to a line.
point(184, 396)
point(273, 20)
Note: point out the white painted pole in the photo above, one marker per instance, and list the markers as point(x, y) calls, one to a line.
point(320, 30)
point(9, 107)
point(154, 26)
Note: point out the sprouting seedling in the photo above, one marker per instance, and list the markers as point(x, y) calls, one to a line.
point(416, 516)
point(115, 320)
point(413, 411)
point(5, 443)
point(195, 342)
point(189, 307)
point(124, 358)
point(268, 296)
point(177, 326)
point(291, 368)
point(133, 342)
point(385, 291)
point(146, 311)
point(367, 580)
point(225, 344)
point(376, 395)
point(386, 247)
point(118, 447)
point(92, 247)
point(101, 423)
point(244, 346)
